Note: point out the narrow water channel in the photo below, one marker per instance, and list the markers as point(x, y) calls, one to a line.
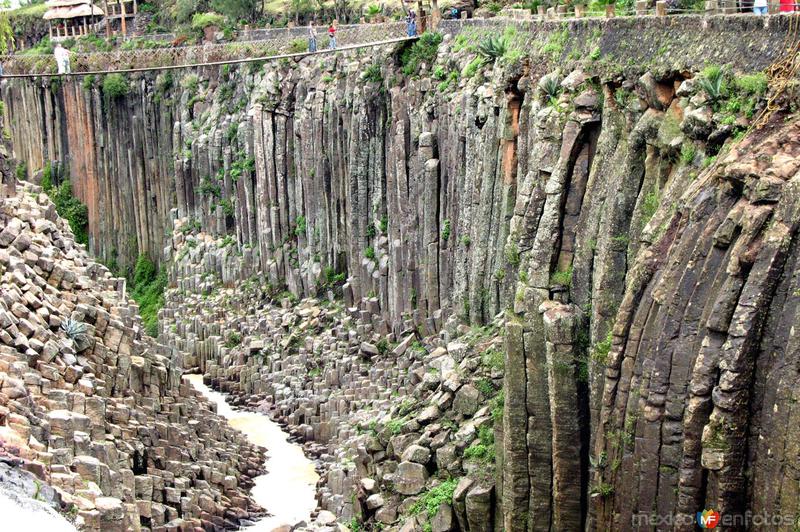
point(288, 489)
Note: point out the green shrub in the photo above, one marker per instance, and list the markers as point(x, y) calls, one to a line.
point(753, 84)
point(201, 21)
point(383, 346)
point(190, 83)
point(422, 51)
point(370, 253)
point(47, 178)
point(209, 187)
point(115, 86)
point(602, 349)
point(650, 205)
point(472, 68)
point(75, 212)
point(148, 291)
point(298, 46)
point(88, 82)
point(234, 339)
point(300, 225)
point(227, 207)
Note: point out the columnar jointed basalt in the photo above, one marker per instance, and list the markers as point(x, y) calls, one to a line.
point(391, 418)
point(97, 410)
point(643, 262)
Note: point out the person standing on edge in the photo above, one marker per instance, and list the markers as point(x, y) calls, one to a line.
point(760, 7)
point(312, 38)
point(62, 59)
point(332, 36)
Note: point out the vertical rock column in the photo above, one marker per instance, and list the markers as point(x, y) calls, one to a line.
point(563, 326)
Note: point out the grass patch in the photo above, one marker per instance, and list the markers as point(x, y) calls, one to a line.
point(483, 448)
point(430, 501)
point(148, 289)
point(562, 277)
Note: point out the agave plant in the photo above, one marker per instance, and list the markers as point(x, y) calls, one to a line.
point(373, 11)
point(550, 86)
point(74, 330)
point(491, 48)
point(712, 82)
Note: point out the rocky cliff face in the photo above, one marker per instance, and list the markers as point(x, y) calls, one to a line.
point(598, 193)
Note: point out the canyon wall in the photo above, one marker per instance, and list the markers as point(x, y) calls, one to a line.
point(583, 181)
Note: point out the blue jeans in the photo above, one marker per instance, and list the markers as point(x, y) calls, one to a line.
point(312, 45)
point(332, 43)
point(412, 29)
point(760, 10)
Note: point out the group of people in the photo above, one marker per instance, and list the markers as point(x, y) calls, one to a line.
point(312, 37)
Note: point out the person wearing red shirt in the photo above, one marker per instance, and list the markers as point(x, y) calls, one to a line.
point(332, 36)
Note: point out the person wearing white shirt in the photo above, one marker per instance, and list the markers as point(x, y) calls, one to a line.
point(62, 59)
point(760, 7)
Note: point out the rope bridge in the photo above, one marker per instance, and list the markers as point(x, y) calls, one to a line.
point(172, 58)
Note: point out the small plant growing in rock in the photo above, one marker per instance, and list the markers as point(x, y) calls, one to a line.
point(512, 255)
point(422, 51)
point(492, 47)
point(562, 277)
point(712, 82)
point(603, 490)
point(383, 346)
point(688, 153)
point(434, 497)
point(372, 74)
point(370, 253)
point(234, 339)
point(602, 349)
point(74, 329)
point(550, 87)
point(446, 230)
point(300, 225)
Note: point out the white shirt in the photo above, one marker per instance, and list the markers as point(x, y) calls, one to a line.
point(62, 53)
point(760, 3)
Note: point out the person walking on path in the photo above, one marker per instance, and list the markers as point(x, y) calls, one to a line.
point(312, 38)
point(332, 36)
point(62, 59)
point(760, 7)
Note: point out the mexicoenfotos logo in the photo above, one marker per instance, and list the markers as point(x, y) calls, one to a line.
point(708, 519)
